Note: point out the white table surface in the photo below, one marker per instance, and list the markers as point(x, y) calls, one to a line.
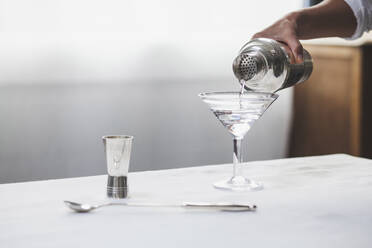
point(323, 201)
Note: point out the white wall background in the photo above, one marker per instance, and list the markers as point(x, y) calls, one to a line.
point(72, 71)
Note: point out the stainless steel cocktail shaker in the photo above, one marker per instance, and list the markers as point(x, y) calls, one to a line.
point(266, 65)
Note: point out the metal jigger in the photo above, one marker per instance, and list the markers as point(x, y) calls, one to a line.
point(117, 149)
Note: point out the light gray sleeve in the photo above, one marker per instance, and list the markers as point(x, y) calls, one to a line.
point(362, 10)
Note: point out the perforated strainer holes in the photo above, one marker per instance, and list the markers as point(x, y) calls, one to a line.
point(247, 67)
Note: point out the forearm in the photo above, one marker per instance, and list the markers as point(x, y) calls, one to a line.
point(332, 18)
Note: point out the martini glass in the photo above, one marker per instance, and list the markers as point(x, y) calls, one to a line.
point(237, 112)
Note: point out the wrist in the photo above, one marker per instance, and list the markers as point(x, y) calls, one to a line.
point(298, 22)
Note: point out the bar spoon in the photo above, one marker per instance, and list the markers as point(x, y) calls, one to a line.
point(231, 207)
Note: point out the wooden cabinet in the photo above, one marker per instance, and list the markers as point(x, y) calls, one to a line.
point(332, 110)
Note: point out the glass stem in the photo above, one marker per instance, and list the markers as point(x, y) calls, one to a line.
point(237, 157)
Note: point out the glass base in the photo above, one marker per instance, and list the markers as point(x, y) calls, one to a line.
point(238, 184)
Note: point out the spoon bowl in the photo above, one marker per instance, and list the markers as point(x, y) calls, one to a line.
point(79, 207)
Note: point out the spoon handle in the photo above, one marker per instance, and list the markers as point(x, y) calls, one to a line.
point(197, 205)
point(220, 206)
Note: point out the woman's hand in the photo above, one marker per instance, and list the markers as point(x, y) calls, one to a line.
point(285, 31)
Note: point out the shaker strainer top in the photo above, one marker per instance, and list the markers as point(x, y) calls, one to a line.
point(247, 67)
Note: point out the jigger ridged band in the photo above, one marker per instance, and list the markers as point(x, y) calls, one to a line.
point(117, 192)
point(117, 187)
